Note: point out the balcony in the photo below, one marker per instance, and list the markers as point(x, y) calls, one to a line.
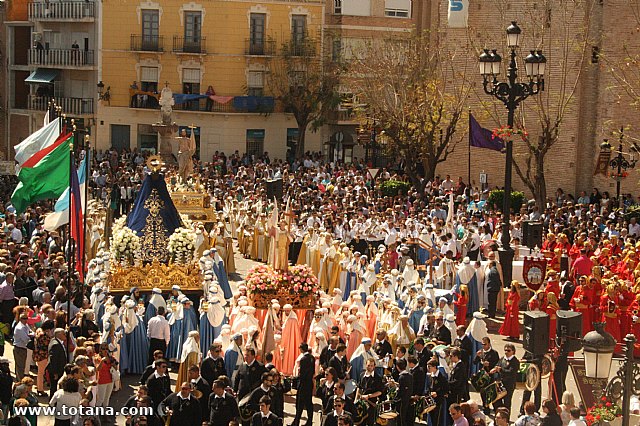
point(304, 48)
point(72, 106)
point(146, 43)
point(62, 58)
point(197, 46)
point(62, 11)
point(257, 47)
point(237, 105)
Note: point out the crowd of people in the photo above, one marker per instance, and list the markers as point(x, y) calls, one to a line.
point(410, 282)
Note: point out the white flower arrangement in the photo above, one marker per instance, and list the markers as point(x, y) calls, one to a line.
point(124, 244)
point(182, 246)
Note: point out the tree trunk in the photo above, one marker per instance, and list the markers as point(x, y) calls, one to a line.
point(540, 184)
point(302, 132)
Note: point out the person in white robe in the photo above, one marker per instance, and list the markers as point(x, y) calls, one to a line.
point(477, 330)
point(483, 297)
point(410, 274)
point(360, 357)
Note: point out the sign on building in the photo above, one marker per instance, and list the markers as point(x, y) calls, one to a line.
point(458, 13)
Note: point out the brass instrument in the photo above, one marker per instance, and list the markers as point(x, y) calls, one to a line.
point(168, 419)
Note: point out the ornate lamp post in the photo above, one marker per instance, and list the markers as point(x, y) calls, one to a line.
point(620, 164)
point(511, 93)
point(598, 347)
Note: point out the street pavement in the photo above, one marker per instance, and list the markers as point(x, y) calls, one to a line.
point(131, 383)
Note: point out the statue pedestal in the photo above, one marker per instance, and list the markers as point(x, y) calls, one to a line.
point(165, 150)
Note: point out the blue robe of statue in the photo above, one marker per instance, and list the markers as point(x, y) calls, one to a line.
point(134, 348)
point(149, 313)
point(221, 273)
point(350, 284)
point(208, 333)
point(414, 319)
point(474, 298)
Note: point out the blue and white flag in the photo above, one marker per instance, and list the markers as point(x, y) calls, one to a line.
point(60, 215)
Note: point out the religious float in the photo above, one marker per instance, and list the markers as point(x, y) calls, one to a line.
point(193, 201)
point(296, 286)
point(153, 246)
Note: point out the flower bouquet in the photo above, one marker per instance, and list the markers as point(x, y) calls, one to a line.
point(297, 286)
point(302, 280)
point(182, 246)
point(507, 133)
point(603, 411)
point(124, 244)
point(263, 279)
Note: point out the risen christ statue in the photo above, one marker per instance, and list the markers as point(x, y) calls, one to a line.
point(186, 149)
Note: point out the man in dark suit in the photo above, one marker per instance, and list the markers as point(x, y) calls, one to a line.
point(213, 365)
point(338, 392)
point(265, 417)
point(487, 356)
point(252, 401)
point(382, 347)
point(148, 371)
point(419, 377)
point(371, 388)
point(442, 334)
point(463, 341)
point(405, 388)
point(223, 407)
point(200, 384)
point(249, 374)
point(58, 358)
point(507, 371)
point(183, 407)
point(339, 362)
point(159, 384)
point(338, 411)
point(494, 286)
point(422, 353)
point(305, 387)
point(458, 379)
point(328, 352)
point(438, 389)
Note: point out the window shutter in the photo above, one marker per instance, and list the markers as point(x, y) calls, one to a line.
point(191, 75)
point(149, 74)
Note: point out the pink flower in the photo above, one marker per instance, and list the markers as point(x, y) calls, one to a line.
point(296, 287)
point(262, 287)
point(306, 288)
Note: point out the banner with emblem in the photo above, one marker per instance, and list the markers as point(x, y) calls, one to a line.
point(602, 165)
point(534, 272)
point(458, 13)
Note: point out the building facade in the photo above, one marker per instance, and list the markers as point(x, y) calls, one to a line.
point(51, 55)
point(215, 58)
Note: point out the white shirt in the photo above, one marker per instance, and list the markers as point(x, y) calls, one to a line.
point(577, 422)
point(158, 328)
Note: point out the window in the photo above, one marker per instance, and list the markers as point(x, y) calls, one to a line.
point(255, 142)
point(397, 8)
point(255, 83)
point(256, 33)
point(292, 143)
point(147, 138)
point(396, 13)
point(192, 31)
point(191, 86)
point(298, 28)
point(337, 7)
point(149, 79)
point(150, 29)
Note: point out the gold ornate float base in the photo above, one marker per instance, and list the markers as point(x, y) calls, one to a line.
point(261, 300)
point(155, 274)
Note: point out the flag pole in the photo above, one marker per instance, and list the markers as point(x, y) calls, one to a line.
point(71, 248)
point(469, 164)
point(87, 164)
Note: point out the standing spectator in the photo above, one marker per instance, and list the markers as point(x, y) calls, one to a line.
point(58, 358)
point(7, 298)
point(159, 332)
point(104, 362)
point(22, 335)
point(41, 352)
point(306, 369)
point(68, 396)
point(551, 418)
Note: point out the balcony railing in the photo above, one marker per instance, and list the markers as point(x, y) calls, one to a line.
point(259, 47)
point(74, 106)
point(238, 105)
point(187, 45)
point(61, 57)
point(62, 11)
point(304, 47)
point(147, 43)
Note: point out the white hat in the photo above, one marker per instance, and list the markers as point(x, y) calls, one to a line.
point(156, 290)
point(175, 287)
point(479, 315)
point(466, 260)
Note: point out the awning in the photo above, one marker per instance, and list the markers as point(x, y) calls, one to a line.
point(42, 75)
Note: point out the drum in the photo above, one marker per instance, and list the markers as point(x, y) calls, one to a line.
point(480, 380)
point(493, 392)
point(349, 387)
point(528, 376)
point(424, 405)
point(386, 410)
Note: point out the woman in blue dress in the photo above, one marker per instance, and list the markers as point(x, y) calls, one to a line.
point(155, 301)
point(176, 322)
point(134, 344)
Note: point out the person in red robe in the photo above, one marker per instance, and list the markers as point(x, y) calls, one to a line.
point(583, 299)
point(610, 312)
point(553, 285)
point(291, 339)
point(537, 301)
point(462, 300)
point(551, 310)
point(511, 325)
point(549, 243)
point(627, 299)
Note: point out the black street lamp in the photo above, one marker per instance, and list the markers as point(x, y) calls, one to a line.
point(620, 164)
point(511, 93)
point(598, 347)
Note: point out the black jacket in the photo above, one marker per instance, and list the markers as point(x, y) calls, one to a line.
point(340, 366)
point(325, 355)
point(494, 285)
point(306, 372)
point(211, 369)
point(551, 420)
point(185, 411)
point(332, 419)
point(491, 356)
point(159, 388)
point(383, 349)
point(405, 387)
point(148, 371)
point(222, 410)
point(458, 383)
point(203, 386)
point(248, 378)
point(57, 358)
point(439, 385)
point(419, 377)
point(443, 334)
point(271, 420)
point(509, 372)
